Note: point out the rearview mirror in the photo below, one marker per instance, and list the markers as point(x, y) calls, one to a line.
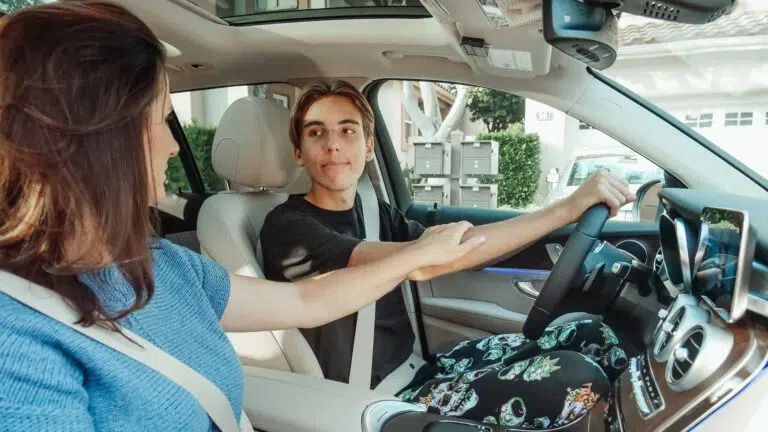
point(587, 30)
point(587, 33)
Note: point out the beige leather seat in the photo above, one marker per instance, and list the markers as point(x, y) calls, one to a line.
point(251, 149)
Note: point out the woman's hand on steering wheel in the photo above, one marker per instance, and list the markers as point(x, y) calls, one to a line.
point(601, 188)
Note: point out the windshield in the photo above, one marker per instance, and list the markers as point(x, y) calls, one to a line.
point(636, 171)
point(712, 77)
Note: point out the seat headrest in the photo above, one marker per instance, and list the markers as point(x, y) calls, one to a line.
point(252, 147)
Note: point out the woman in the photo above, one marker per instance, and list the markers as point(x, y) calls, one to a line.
point(83, 150)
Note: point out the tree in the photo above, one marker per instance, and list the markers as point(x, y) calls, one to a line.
point(8, 6)
point(429, 120)
point(496, 109)
point(200, 139)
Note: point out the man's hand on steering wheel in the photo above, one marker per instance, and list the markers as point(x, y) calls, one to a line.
point(590, 205)
point(601, 188)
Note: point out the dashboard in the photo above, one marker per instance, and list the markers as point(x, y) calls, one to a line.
point(683, 261)
point(705, 347)
point(691, 358)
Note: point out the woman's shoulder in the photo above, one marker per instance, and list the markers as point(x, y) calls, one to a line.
point(23, 329)
point(182, 269)
point(170, 257)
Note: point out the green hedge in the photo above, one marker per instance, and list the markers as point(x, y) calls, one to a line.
point(519, 165)
point(200, 139)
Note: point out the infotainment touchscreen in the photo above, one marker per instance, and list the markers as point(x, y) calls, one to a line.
point(723, 261)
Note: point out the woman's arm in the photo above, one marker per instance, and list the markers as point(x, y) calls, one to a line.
point(41, 385)
point(258, 304)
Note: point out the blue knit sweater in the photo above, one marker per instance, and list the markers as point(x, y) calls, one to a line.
point(54, 378)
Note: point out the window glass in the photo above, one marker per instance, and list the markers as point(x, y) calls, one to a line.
point(738, 119)
point(717, 69)
point(483, 148)
point(249, 11)
point(698, 121)
point(199, 113)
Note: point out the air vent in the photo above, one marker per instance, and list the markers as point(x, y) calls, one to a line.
point(674, 329)
point(668, 331)
point(698, 356)
point(661, 10)
point(686, 354)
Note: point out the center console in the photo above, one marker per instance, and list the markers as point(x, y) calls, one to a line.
point(695, 363)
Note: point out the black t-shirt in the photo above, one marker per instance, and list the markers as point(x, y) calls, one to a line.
point(300, 240)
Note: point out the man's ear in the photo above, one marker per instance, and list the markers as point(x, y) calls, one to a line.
point(369, 150)
point(297, 155)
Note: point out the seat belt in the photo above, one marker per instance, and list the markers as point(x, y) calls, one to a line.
point(207, 393)
point(362, 348)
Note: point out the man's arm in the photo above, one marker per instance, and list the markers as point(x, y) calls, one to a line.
point(503, 239)
point(507, 237)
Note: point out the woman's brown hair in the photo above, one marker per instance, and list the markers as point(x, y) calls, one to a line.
point(77, 82)
point(322, 89)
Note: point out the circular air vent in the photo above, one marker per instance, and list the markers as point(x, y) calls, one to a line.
point(698, 356)
point(684, 357)
point(676, 325)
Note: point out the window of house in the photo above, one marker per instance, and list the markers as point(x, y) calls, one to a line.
point(703, 120)
point(738, 118)
point(501, 153)
point(199, 113)
point(407, 133)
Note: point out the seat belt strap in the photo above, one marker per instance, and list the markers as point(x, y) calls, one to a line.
point(53, 305)
point(362, 348)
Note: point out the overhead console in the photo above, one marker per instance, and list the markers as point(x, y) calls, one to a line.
point(588, 30)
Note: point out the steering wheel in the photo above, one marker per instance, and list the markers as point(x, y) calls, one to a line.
point(566, 268)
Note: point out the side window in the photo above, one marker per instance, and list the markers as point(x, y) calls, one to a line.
point(199, 113)
point(484, 148)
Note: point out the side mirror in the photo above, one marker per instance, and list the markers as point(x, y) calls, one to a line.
point(646, 207)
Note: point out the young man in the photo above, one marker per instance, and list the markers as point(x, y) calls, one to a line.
point(332, 133)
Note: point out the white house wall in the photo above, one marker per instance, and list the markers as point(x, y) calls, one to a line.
point(206, 106)
point(682, 79)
